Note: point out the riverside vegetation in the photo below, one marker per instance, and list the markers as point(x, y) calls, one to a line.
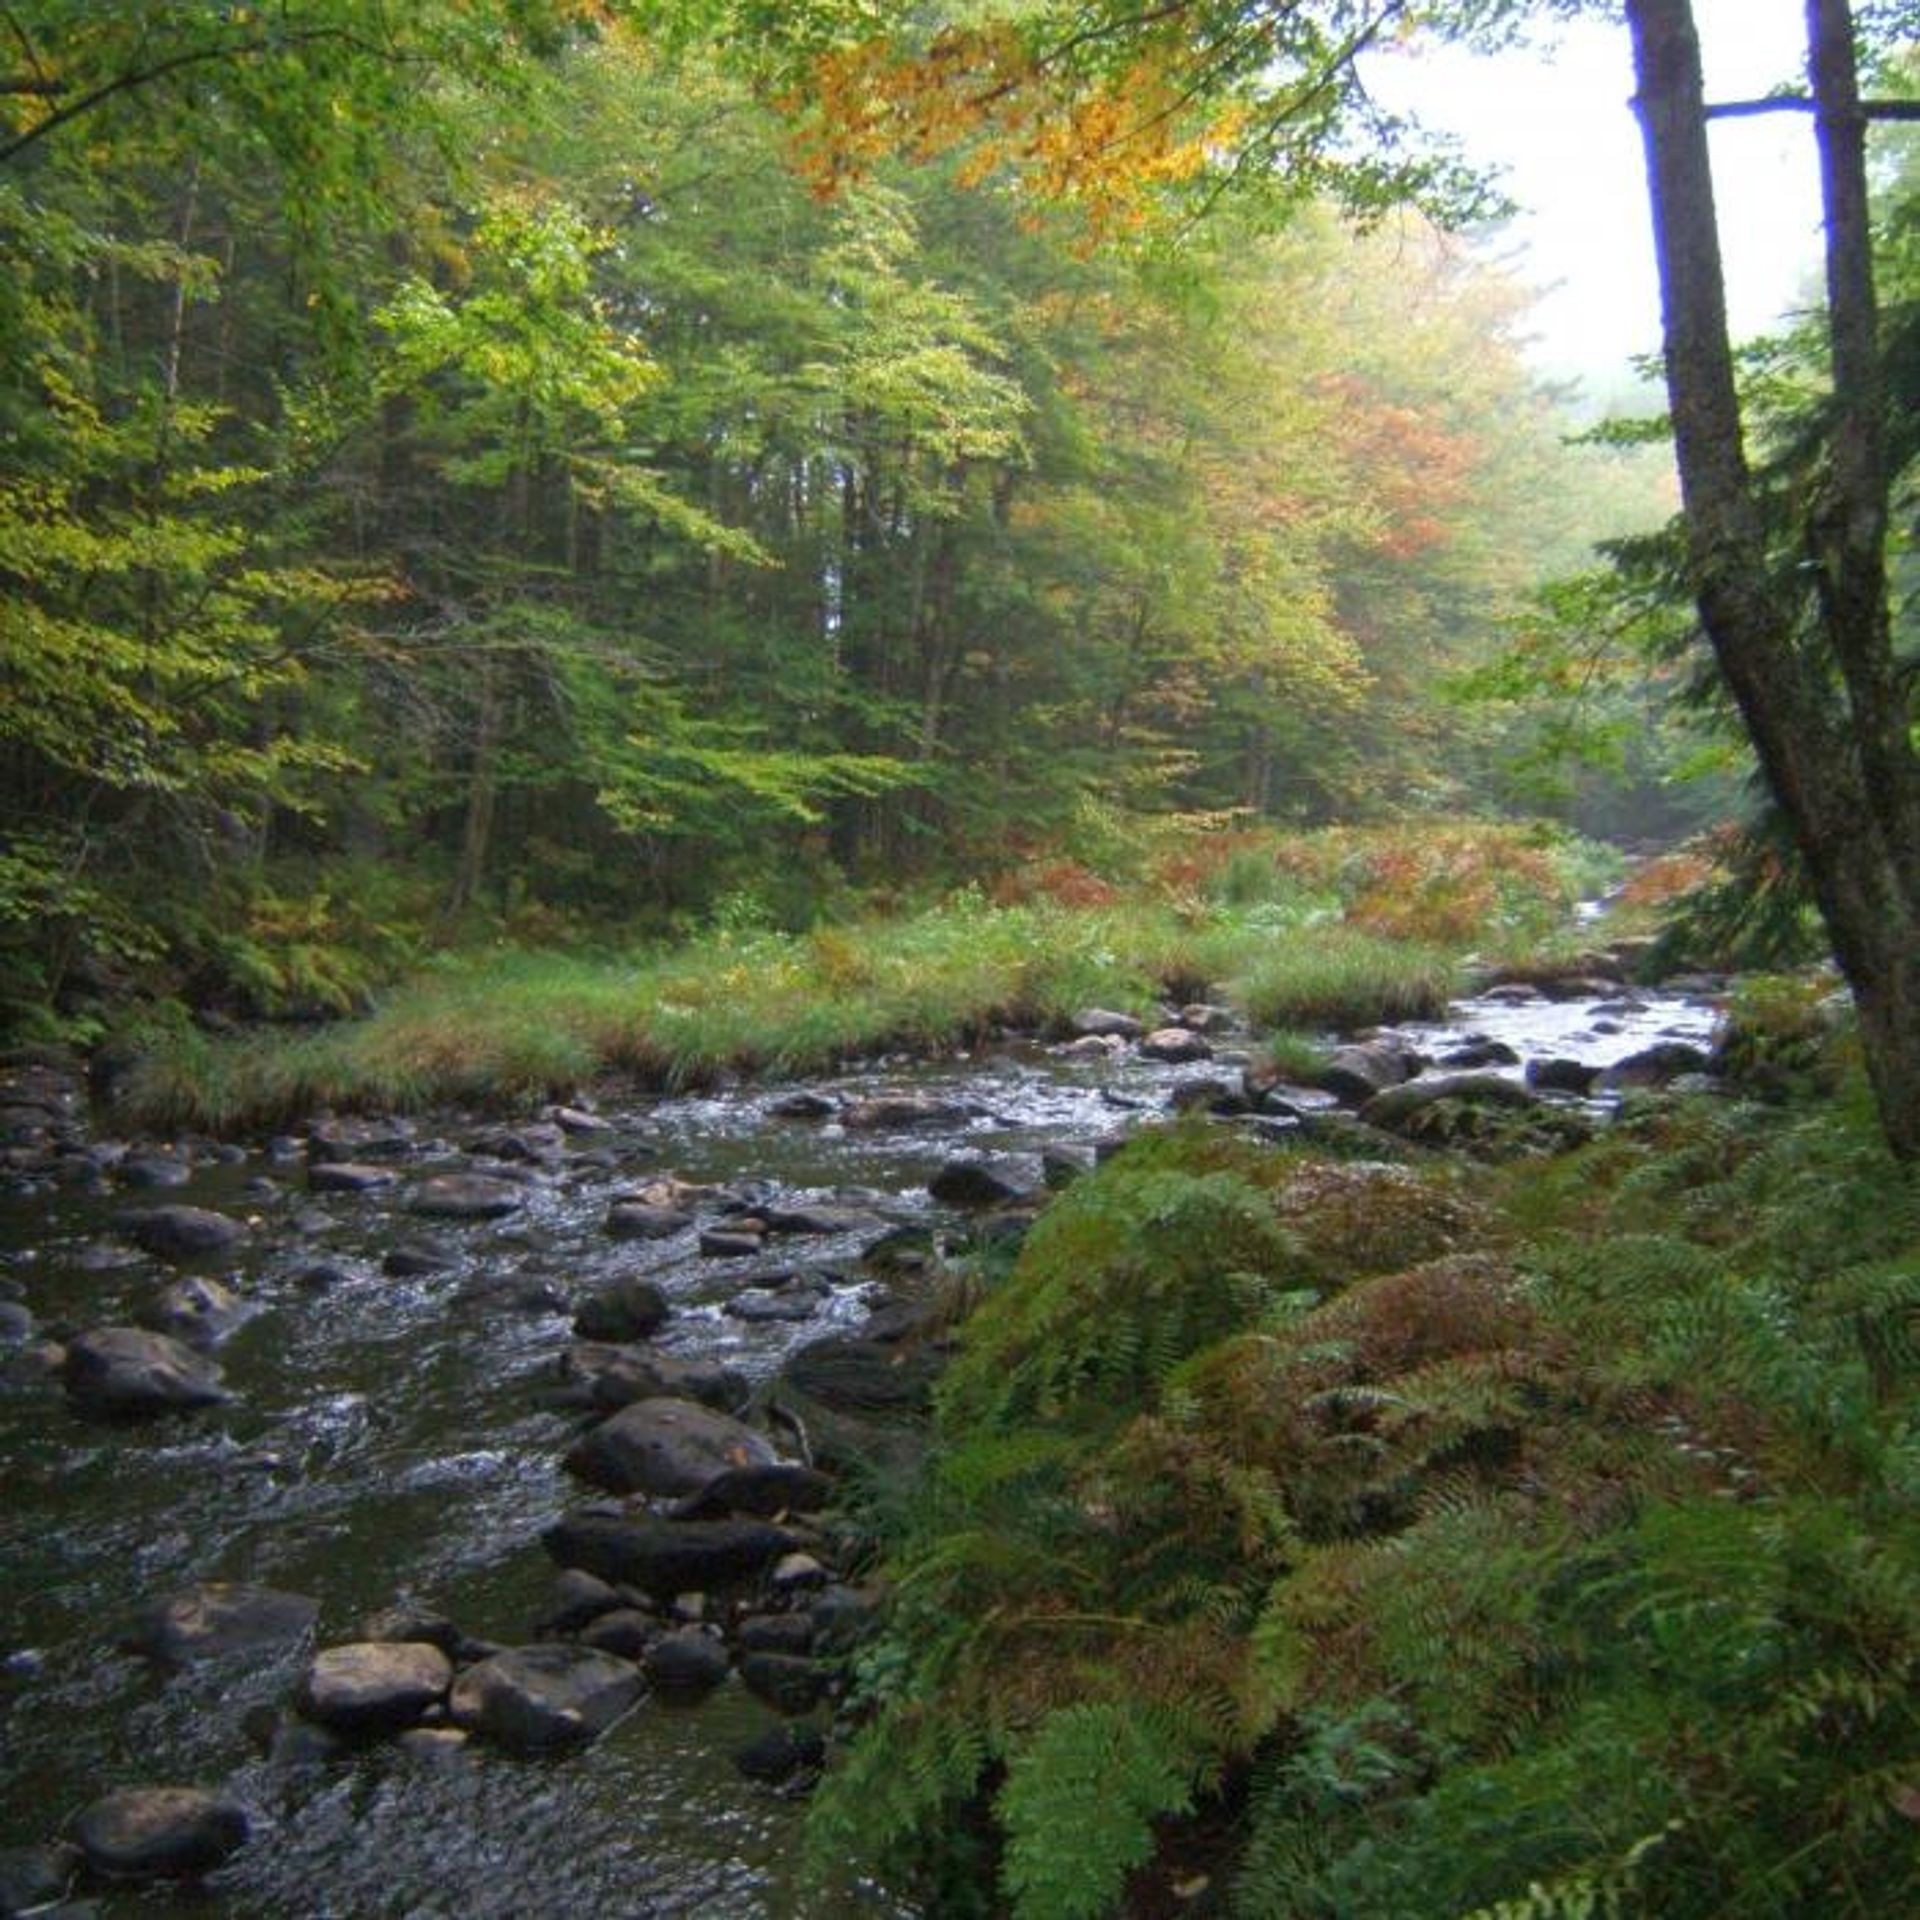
point(1318, 1529)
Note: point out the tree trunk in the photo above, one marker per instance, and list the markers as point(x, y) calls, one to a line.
point(1828, 720)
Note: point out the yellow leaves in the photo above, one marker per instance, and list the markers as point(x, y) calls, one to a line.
point(1104, 144)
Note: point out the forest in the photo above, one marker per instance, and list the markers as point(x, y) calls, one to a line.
point(637, 634)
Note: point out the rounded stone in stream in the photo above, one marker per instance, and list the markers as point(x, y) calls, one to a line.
point(629, 1309)
point(533, 1698)
point(199, 1311)
point(130, 1373)
point(1652, 1066)
point(1354, 1074)
point(626, 1631)
point(781, 1754)
point(1395, 1109)
point(16, 1324)
point(802, 1106)
point(638, 1220)
point(789, 1633)
point(220, 1617)
point(1102, 1023)
point(686, 1665)
point(466, 1196)
point(1175, 1044)
point(348, 1176)
point(160, 1833)
point(786, 1682)
point(765, 1491)
point(615, 1377)
point(888, 1111)
point(974, 1182)
point(179, 1232)
point(1561, 1076)
point(666, 1557)
point(578, 1600)
point(666, 1446)
point(374, 1686)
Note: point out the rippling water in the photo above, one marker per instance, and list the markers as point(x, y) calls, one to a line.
point(398, 1439)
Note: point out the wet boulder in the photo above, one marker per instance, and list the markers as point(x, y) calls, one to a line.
point(155, 1170)
point(1176, 1045)
point(781, 1754)
point(198, 1311)
point(641, 1220)
point(131, 1373)
point(686, 1665)
point(613, 1377)
point(1355, 1074)
point(891, 1112)
point(803, 1105)
point(1103, 1023)
point(530, 1699)
point(804, 1218)
point(760, 1308)
point(788, 1683)
point(466, 1196)
point(626, 1632)
point(1652, 1066)
point(356, 1139)
point(1399, 1108)
point(766, 1490)
point(221, 1617)
point(628, 1309)
point(973, 1181)
point(179, 1233)
point(788, 1633)
point(160, 1833)
point(667, 1447)
point(374, 1686)
point(666, 1557)
point(1559, 1075)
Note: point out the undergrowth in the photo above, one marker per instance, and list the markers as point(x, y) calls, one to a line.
point(498, 1024)
point(1531, 1541)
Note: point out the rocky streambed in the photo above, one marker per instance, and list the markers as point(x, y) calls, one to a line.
point(435, 1517)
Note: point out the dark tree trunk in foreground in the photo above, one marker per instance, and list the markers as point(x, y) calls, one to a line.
point(1817, 688)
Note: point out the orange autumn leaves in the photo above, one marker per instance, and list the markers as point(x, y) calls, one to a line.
point(988, 95)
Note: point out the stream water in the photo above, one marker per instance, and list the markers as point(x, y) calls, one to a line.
point(399, 1439)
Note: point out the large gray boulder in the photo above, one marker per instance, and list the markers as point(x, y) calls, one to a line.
point(544, 1696)
point(128, 1373)
point(666, 1557)
point(616, 1376)
point(160, 1833)
point(666, 1447)
point(374, 1686)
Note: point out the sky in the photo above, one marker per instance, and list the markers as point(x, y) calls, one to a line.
point(1558, 125)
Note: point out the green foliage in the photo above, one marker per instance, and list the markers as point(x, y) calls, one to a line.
point(1555, 1555)
point(1081, 1795)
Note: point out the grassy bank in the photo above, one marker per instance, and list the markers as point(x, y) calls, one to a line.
point(1315, 932)
point(1326, 1541)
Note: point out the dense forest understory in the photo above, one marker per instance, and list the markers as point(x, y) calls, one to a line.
point(564, 564)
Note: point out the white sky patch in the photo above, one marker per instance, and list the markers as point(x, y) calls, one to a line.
point(1556, 124)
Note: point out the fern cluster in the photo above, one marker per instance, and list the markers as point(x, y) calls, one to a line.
point(1544, 1548)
